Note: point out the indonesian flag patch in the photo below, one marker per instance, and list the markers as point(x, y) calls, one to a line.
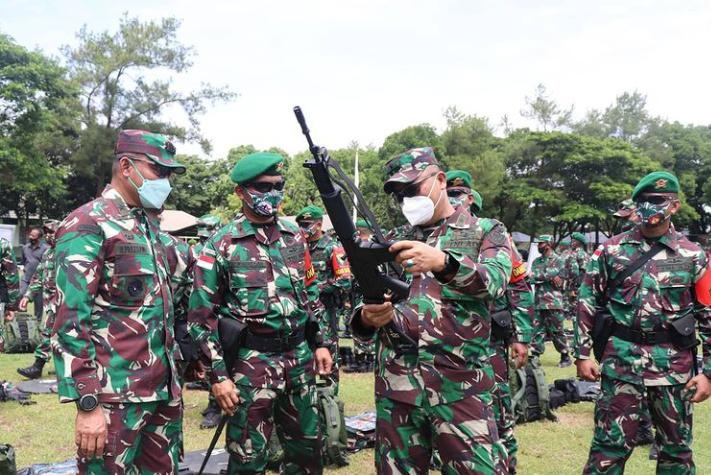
point(206, 262)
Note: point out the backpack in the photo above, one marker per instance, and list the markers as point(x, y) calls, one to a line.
point(22, 334)
point(530, 397)
point(7, 460)
point(330, 411)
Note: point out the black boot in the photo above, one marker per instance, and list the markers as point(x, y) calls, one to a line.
point(565, 360)
point(645, 435)
point(34, 371)
point(211, 415)
point(353, 365)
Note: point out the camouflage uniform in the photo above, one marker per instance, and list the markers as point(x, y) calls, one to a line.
point(518, 299)
point(114, 332)
point(43, 281)
point(9, 285)
point(261, 275)
point(632, 375)
point(549, 304)
point(439, 396)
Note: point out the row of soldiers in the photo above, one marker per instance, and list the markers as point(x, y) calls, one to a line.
point(125, 298)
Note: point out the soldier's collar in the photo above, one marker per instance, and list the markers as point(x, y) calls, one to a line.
point(669, 239)
point(460, 219)
point(110, 193)
point(323, 241)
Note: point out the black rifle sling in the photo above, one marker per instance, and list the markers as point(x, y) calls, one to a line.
point(630, 269)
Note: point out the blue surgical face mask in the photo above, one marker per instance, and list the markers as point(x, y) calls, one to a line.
point(152, 193)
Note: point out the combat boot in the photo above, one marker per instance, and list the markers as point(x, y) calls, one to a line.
point(353, 365)
point(34, 371)
point(565, 360)
point(211, 415)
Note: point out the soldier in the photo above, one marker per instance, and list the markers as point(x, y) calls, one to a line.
point(433, 382)
point(42, 280)
point(207, 223)
point(568, 275)
point(546, 273)
point(516, 305)
point(576, 261)
point(364, 351)
point(32, 253)
point(626, 215)
point(257, 270)
point(333, 276)
point(9, 286)
point(643, 280)
point(114, 347)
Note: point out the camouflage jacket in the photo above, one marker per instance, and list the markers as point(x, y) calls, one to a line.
point(549, 296)
point(180, 268)
point(114, 321)
point(576, 260)
point(448, 320)
point(331, 265)
point(654, 295)
point(261, 275)
point(9, 276)
point(518, 299)
point(43, 281)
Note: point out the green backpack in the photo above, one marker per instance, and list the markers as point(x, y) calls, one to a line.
point(333, 424)
point(530, 396)
point(22, 334)
point(7, 460)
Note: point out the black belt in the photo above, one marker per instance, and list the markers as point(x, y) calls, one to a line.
point(274, 342)
point(641, 337)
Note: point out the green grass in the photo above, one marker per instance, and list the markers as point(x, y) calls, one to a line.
point(44, 432)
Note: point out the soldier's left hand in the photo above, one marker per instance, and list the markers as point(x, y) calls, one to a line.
point(417, 257)
point(323, 361)
point(703, 387)
point(9, 316)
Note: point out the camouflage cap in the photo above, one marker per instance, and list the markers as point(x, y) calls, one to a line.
point(255, 164)
point(310, 212)
point(657, 182)
point(406, 167)
point(625, 209)
point(579, 237)
point(544, 238)
point(478, 202)
point(157, 147)
point(51, 225)
point(459, 178)
point(206, 224)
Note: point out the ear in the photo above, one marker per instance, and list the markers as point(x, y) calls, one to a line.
point(239, 191)
point(675, 206)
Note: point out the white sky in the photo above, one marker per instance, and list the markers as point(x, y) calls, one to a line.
point(364, 69)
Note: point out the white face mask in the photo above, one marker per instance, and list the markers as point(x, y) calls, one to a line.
point(419, 209)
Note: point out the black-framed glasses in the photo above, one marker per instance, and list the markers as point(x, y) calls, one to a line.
point(160, 171)
point(265, 186)
point(412, 189)
point(654, 199)
point(455, 193)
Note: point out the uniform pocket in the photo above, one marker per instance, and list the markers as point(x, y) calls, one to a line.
point(249, 282)
point(675, 297)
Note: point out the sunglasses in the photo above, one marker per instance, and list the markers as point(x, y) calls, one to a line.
point(412, 189)
point(161, 172)
point(265, 187)
point(455, 193)
point(305, 224)
point(654, 199)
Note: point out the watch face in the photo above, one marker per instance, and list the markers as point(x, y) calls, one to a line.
point(88, 402)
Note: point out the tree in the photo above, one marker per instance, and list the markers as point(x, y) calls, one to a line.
point(546, 111)
point(422, 135)
point(113, 71)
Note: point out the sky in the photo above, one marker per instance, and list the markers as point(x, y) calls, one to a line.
point(362, 70)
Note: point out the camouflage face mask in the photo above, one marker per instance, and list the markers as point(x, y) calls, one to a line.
point(265, 204)
point(653, 213)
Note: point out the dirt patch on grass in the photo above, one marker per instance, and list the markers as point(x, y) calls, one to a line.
point(574, 420)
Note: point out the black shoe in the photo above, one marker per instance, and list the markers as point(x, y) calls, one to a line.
point(34, 371)
point(565, 361)
point(211, 415)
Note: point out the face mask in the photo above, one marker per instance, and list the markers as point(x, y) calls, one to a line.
point(542, 249)
point(456, 202)
point(49, 239)
point(419, 209)
point(265, 204)
point(653, 214)
point(309, 231)
point(152, 193)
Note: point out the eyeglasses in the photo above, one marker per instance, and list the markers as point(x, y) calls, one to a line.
point(265, 186)
point(412, 189)
point(305, 224)
point(455, 193)
point(654, 199)
point(160, 171)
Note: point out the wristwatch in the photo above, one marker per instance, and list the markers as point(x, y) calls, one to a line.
point(451, 265)
point(87, 403)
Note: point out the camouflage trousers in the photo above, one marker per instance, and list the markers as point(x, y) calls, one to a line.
point(549, 322)
point(2, 327)
point(44, 349)
point(143, 438)
point(503, 408)
point(618, 413)
point(361, 348)
point(463, 433)
point(294, 415)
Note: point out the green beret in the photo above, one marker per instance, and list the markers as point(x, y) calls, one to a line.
point(478, 202)
point(459, 178)
point(657, 182)
point(362, 223)
point(255, 164)
point(544, 238)
point(310, 212)
point(579, 237)
point(565, 242)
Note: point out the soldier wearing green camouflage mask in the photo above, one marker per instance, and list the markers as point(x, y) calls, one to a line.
point(42, 281)
point(257, 270)
point(114, 346)
point(9, 286)
point(649, 358)
point(626, 215)
point(436, 394)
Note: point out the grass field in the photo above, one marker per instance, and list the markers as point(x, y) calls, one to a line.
point(44, 432)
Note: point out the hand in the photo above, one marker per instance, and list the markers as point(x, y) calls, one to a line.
point(418, 257)
point(91, 432)
point(227, 395)
point(22, 306)
point(702, 385)
point(324, 362)
point(587, 370)
point(377, 314)
point(9, 316)
point(519, 353)
point(557, 281)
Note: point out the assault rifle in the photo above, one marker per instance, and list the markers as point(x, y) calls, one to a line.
point(365, 257)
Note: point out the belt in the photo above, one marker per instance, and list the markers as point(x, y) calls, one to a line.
point(274, 342)
point(641, 337)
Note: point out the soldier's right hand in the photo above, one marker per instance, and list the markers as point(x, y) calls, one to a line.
point(90, 432)
point(377, 314)
point(22, 306)
point(587, 370)
point(9, 316)
point(227, 395)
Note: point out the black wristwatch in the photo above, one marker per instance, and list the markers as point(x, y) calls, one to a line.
point(87, 403)
point(451, 266)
